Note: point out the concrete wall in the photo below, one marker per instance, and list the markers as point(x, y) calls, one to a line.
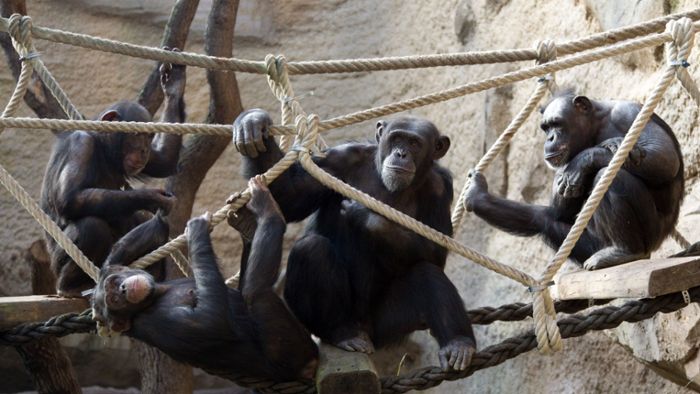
point(331, 29)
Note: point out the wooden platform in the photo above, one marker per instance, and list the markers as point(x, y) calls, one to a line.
point(638, 279)
point(16, 310)
point(342, 372)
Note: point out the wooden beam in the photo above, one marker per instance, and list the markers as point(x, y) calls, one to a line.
point(16, 310)
point(342, 372)
point(637, 279)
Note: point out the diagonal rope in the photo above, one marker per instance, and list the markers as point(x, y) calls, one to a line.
point(547, 52)
point(548, 336)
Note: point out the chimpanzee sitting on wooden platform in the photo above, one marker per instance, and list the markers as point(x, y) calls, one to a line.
point(200, 321)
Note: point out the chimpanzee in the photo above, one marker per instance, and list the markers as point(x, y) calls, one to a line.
point(200, 321)
point(639, 210)
point(86, 187)
point(355, 279)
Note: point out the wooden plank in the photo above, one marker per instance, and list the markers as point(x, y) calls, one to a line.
point(16, 310)
point(341, 372)
point(637, 279)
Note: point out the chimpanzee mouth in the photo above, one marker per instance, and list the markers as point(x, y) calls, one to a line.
point(399, 169)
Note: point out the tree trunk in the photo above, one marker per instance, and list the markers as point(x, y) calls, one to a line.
point(45, 359)
point(160, 373)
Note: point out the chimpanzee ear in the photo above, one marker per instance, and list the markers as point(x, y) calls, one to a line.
point(441, 146)
point(381, 125)
point(119, 324)
point(109, 115)
point(582, 103)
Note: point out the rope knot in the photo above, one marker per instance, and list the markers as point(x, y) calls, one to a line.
point(20, 29)
point(546, 51)
point(683, 33)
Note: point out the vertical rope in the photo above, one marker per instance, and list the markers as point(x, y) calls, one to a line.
point(548, 336)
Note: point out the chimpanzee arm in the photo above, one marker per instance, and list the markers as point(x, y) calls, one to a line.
point(142, 239)
point(114, 203)
point(262, 267)
point(211, 290)
point(527, 220)
point(166, 147)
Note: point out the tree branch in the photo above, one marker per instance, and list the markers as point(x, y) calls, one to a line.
point(174, 36)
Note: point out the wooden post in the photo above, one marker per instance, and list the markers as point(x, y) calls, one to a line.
point(342, 372)
point(45, 359)
point(637, 279)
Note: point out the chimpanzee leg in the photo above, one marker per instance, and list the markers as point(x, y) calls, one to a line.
point(426, 297)
point(318, 290)
point(93, 236)
point(627, 221)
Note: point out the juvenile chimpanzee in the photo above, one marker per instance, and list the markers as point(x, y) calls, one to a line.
point(639, 210)
point(201, 321)
point(86, 187)
point(355, 279)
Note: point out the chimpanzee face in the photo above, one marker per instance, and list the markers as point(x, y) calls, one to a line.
point(407, 149)
point(136, 149)
point(566, 124)
point(121, 292)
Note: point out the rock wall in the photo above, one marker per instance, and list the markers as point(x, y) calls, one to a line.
point(332, 29)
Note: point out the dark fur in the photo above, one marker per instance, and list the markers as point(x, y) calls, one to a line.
point(86, 189)
point(639, 210)
point(202, 322)
point(353, 271)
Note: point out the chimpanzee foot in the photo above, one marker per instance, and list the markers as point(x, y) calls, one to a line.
point(457, 354)
point(309, 370)
point(360, 343)
point(611, 256)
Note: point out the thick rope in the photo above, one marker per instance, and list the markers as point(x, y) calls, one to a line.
point(570, 326)
point(420, 379)
point(47, 223)
point(547, 333)
point(219, 216)
point(350, 65)
point(497, 81)
point(360, 116)
point(127, 127)
point(547, 52)
point(20, 29)
point(680, 239)
point(25, 76)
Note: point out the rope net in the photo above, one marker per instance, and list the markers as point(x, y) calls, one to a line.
point(305, 129)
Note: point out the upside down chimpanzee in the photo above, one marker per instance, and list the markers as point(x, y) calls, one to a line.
point(201, 321)
point(639, 210)
point(355, 279)
point(86, 187)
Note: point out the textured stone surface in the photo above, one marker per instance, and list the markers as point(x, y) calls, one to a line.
point(328, 29)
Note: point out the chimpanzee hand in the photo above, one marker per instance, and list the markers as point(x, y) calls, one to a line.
point(353, 210)
point(198, 225)
point(160, 199)
point(261, 203)
point(457, 354)
point(570, 181)
point(613, 144)
point(172, 78)
point(249, 131)
point(477, 189)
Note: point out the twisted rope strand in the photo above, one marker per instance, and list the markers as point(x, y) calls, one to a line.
point(349, 65)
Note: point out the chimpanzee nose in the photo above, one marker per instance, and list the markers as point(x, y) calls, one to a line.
point(122, 288)
point(400, 154)
point(551, 138)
